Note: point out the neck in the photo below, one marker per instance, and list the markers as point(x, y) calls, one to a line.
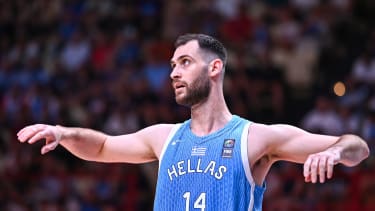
point(210, 115)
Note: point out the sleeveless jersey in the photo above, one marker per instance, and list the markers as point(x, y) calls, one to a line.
point(207, 173)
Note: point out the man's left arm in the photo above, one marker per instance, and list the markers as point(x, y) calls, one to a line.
point(319, 153)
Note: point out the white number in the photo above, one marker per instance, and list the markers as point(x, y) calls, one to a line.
point(200, 203)
point(187, 201)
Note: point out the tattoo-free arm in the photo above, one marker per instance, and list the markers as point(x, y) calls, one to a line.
point(319, 153)
point(87, 144)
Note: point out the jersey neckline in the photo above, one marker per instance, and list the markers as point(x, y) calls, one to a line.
point(200, 139)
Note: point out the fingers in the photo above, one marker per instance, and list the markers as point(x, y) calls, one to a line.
point(314, 170)
point(322, 169)
point(34, 133)
point(330, 164)
point(318, 166)
point(308, 178)
point(49, 147)
point(40, 135)
point(30, 131)
point(306, 168)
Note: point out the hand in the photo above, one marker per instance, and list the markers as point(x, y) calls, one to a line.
point(320, 164)
point(34, 133)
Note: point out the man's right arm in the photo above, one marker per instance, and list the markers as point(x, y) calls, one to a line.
point(142, 146)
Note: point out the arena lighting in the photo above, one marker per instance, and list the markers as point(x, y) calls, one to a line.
point(339, 88)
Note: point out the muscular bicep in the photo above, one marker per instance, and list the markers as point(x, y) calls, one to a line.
point(294, 144)
point(140, 147)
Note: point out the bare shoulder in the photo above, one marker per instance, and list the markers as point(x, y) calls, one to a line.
point(262, 132)
point(156, 135)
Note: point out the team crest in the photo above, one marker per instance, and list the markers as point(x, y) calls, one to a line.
point(228, 148)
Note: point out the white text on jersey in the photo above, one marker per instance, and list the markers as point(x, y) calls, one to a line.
point(184, 167)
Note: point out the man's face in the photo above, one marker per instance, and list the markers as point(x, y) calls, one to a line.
point(189, 75)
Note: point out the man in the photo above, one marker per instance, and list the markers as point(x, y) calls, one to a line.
point(215, 160)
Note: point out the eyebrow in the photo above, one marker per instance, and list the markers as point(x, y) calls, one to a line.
point(179, 58)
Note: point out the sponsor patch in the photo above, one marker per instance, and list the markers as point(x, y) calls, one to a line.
point(228, 146)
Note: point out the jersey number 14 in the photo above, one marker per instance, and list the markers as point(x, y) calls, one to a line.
point(199, 203)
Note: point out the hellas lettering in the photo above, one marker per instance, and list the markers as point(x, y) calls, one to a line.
point(185, 167)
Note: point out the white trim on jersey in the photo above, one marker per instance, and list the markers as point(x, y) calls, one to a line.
point(245, 163)
point(168, 140)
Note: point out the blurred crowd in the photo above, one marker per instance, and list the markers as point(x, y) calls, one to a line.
point(105, 65)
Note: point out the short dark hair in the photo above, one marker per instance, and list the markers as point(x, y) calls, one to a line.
point(206, 43)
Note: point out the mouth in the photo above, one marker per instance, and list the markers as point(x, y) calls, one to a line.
point(178, 85)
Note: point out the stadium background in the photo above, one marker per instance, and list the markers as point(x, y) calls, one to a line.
point(105, 65)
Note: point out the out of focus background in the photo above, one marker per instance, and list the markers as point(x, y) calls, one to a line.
point(105, 65)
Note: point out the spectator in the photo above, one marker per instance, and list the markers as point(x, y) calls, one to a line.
point(322, 118)
point(76, 52)
point(364, 68)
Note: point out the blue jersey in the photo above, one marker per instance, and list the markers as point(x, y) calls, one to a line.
point(207, 173)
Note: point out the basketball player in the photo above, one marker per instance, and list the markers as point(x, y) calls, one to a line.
point(216, 160)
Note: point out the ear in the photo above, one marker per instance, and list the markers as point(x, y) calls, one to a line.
point(215, 67)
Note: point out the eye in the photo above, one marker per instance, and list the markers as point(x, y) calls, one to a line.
point(185, 62)
point(173, 65)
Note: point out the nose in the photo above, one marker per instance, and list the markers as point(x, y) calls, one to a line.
point(176, 73)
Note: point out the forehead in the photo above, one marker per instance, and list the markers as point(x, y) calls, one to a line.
point(191, 49)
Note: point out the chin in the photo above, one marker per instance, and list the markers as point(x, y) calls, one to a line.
point(182, 101)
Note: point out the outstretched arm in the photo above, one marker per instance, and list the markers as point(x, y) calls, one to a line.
point(319, 153)
point(142, 146)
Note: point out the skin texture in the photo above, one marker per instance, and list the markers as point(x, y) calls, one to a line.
point(197, 80)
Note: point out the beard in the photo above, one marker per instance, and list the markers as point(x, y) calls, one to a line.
point(196, 92)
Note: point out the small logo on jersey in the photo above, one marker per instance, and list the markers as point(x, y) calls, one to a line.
point(228, 148)
point(198, 151)
point(229, 143)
